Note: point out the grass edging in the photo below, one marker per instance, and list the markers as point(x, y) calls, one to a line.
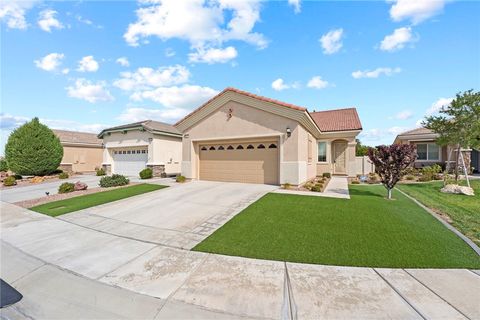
point(60, 207)
point(445, 223)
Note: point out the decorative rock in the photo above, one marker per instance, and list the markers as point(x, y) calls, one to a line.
point(37, 179)
point(456, 189)
point(80, 186)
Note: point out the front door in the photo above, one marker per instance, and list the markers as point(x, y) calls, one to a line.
point(339, 157)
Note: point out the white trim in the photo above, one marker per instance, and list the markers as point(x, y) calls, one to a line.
point(332, 133)
point(155, 163)
point(238, 137)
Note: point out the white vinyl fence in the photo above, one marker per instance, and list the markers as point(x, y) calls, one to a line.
point(363, 165)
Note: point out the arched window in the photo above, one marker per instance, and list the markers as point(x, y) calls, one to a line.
point(239, 147)
point(221, 148)
point(261, 146)
point(212, 148)
point(230, 148)
point(250, 147)
point(204, 148)
point(272, 146)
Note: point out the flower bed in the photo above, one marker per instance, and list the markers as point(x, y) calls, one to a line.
point(318, 184)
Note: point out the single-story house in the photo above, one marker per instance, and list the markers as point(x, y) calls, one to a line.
point(429, 152)
point(82, 151)
point(242, 137)
point(130, 148)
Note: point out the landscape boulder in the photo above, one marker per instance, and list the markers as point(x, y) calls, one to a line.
point(456, 189)
point(80, 186)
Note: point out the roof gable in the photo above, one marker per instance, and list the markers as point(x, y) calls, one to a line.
point(76, 137)
point(147, 125)
point(337, 120)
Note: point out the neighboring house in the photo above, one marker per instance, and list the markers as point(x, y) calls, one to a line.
point(82, 151)
point(133, 147)
point(476, 160)
point(429, 153)
point(238, 136)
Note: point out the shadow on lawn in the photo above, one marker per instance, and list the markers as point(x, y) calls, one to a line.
point(365, 192)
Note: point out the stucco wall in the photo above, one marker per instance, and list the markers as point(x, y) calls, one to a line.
point(83, 159)
point(327, 166)
point(168, 151)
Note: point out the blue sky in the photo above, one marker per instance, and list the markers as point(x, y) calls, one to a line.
point(88, 65)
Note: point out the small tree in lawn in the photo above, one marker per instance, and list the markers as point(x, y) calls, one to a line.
point(33, 149)
point(391, 161)
point(458, 124)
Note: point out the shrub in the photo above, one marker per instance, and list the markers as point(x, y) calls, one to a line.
point(66, 187)
point(286, 185)
point(409, 177)
point(18, 177)
point(308, 185)
point(316, 188)
point(327, 175)
point(355, 182)
point(3, 165)
point(33, 149)
point(63, 175)
point(146, 173)
point(180, 179)
point(9, 181)
point(425, 178)
point(114, 180)
point(101, 172)
point(56, 171)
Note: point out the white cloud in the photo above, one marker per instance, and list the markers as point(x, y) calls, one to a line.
point(398, 39)
point(147, 78)
point(438, 105)
point(415, 10)
point(296, 4)
point(197, 21)
point(164, 115)
point(213, 55)
point(9, 122)
point(375, 73)
point(65, 71)
point(123, 61)
point(317, 83)
point(13, 13)
point(332, 41)
point(47, 21)
point(87, 64)
point(279, 85)
point(394, 131)
point(403, 115)
point(169, 52)
point(50, 62)
point(186, 96)
point(89, 91)
point(74, 125)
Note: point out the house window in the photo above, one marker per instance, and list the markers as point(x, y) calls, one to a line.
point(428, 152)
point(240, 147)
point(272, 146)
point(230, 148)
point(322, 152)
point(144, 151)
point(204, 148)
point(212, 148)
point(250, 147)
point(261, 146)
point(221, 148)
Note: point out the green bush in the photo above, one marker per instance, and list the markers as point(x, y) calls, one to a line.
point(101, 172)
point(56, 171)
point(3, 165)
point(63, 175)
point(326, 175)
point(180, 179)
point(308, 185)
point(146, 173)
point(66, 187)
point(9, 181)
point(114, 181)
point(409, 177)
point(355, 182)
point(425, 178)
point(33, 149)
point(316, 188)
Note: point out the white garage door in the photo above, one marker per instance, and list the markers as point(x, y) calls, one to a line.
point(129, 162)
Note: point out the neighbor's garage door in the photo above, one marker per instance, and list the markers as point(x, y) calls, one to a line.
point(129, 162)
point(251, 162)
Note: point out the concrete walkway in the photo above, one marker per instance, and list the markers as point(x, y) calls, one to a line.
point(68, 271)
point(337, 188)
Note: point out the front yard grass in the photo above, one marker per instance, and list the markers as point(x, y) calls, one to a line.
point(366, 230)
point(462, 211)
point(60, 207)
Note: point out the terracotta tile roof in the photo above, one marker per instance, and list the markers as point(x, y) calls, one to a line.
point(416, 131)
point(149, 125)
point(288, 105)
point(77, 137)
point(337, 120)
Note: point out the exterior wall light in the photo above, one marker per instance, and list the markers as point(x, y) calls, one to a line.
point(289, 132)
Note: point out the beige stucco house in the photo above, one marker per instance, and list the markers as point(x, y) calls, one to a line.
point(429, 152)
point(130, 148)
point(82, 151)
point(242, 137)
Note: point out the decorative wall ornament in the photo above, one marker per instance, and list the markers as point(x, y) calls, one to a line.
point(229, 114)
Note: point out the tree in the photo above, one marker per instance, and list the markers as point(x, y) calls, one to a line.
point(33, 149)
point(391, 161)
point(458, 124)
point(360, 149)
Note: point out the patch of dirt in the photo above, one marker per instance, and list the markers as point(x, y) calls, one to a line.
point(312, 182)
point(61, 196)
point(28, 181)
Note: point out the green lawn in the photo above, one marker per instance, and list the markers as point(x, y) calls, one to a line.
point(463, 211)
point(60, 207)
point(366, 230)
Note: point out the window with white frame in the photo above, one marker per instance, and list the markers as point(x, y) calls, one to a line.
point(428, 152)
point(322, 152)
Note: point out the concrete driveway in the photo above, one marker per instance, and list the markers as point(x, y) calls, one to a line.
point(180, 216)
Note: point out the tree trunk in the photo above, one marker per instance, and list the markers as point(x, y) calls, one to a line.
point(389, 194)
point(456, 163)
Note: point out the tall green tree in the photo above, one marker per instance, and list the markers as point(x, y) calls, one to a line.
point(458, 124)
point(360, 149)
point(33, 149)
